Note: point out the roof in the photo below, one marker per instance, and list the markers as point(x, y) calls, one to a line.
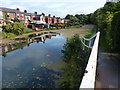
point(14, 11)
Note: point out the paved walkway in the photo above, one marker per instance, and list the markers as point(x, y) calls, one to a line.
point(108, 71)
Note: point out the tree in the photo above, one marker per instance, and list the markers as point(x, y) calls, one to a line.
point(16, 28)
point(115, 32)
point(16, 19)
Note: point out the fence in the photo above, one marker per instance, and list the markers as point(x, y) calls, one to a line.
point(88, 80)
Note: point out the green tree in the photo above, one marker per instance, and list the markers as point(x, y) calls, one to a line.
point(16, 28)
point(115, 32)
point(16, 19)
point(75, 59)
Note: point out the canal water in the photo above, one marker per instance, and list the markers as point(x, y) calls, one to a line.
point(37, 65)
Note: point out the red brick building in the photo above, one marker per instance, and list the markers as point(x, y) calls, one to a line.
point(54, 20)
point(48, 19)
point(35, 20)
point(59, 20)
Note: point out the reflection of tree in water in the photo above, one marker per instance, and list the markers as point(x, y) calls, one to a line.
point(43, 78)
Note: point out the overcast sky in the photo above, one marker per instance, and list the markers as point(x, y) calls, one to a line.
point(55, 7)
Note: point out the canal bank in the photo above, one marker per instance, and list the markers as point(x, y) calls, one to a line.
point(67, 32)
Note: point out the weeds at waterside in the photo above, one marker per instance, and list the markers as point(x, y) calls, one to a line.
point(75, 58)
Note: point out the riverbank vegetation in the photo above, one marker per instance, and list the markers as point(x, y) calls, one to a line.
point(14, 29)
point(107, 20)
point(77, 20)
point(92, 31)
point(75, 58)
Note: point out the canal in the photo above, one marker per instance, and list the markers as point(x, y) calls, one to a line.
point(37, 64)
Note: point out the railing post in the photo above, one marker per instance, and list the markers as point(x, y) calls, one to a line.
point(83, 45)
point(90, 43)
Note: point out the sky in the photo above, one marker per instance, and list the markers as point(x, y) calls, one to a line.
point(59, 8)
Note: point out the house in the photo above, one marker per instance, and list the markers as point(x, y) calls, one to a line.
point(1, 20)
point(59, 20)
point(39, 21)
point(66, 21)
point(31, 20)
point(20, 15)
point(48, 19)
point(62, 21)
point(9, 15)
point(54, 20)
point(28, 18)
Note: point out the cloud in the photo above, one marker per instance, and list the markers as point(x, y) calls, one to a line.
point(55, 7)
point(54, 0)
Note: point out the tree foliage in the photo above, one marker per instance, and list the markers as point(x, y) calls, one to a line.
point(78, 19)
point(16, 19)
point(17, 28)
point(104, 19)
point(75, 59)
point(115, 32)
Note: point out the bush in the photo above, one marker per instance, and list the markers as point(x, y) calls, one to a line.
point(75, 59)
point(29, 31)
point(90, 33)
point(17, 28)
point(7, 35)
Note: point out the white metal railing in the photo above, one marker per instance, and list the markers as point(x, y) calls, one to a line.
point(89, 40)
point(88, 80)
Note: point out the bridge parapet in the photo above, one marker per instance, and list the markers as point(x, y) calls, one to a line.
point(88, 80)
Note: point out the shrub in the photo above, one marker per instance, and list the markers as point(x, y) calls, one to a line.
point(7, 35)
point(17, 28)
point(75, 59)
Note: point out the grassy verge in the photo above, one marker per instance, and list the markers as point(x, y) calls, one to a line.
point(6, 35)
point(75, 26)
point(47, 29)
point(90, 33)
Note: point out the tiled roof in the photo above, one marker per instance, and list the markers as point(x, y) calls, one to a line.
point(14, 11)
point(10, 10)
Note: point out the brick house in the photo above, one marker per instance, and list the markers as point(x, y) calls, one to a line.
point(28, 18)
point(59, 20)
point(48, 19)
point(34, 20)
point(54, 20)
point(10, 14)
point(39, 20)
point(66, 20)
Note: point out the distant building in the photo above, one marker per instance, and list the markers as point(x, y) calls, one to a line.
point(39, 20)
point(48, 19)
point(8, 15)
point(54, 20)
point(32, 20)
point(59, 20)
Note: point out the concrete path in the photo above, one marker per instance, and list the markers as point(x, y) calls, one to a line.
point(108, 71)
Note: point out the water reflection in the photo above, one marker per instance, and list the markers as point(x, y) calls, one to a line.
point(34, 63)
point(26, 42)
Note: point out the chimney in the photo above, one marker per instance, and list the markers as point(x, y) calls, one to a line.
point(43, 14)
point(18, 9)
point(25, 11)
point(49, 15)
point(35, 13)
